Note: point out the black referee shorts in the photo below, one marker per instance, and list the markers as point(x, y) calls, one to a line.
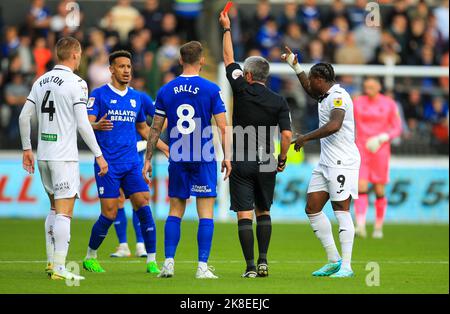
point(249, 187)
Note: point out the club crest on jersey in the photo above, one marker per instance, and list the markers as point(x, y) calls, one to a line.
point(90, 103)
point(133, 103)
point(338, 102)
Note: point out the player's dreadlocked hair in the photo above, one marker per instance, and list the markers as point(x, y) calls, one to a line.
point(323, 70)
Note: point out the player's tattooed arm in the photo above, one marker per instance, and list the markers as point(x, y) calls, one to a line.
point(155, 132)
point(334, 125)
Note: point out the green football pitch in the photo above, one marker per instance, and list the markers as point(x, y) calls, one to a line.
point(411, 259)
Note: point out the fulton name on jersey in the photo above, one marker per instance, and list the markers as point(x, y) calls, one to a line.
point(51, 79)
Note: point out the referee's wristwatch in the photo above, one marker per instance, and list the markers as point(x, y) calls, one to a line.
point(226, 30)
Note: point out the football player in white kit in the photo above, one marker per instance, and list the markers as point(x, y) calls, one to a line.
point(336, 176)
point(58, 100)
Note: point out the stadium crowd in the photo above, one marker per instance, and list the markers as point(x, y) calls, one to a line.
point(411, 33)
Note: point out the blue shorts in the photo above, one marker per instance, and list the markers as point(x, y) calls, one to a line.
point(188, 179)
point(127, 176)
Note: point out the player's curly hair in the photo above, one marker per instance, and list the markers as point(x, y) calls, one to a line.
point(118, 54)
point(325, 71)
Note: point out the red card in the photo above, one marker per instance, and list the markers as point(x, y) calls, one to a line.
point(228, 7)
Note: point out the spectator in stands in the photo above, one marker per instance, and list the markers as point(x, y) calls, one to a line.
point(338, 9)
point(153, 15)
point(316, 52)
point(349, 53)
point(26, 55)
point(42, 56)
point(16, 93)
point(357, 14)
point(339, 30)
point(444, 81)
point(188, 13)
point(139, 44)
point(436, 110)
point(368, 40)
point(309, 15)
point(237, 32)
point(420, 10)
point(413, 110)
point(400, 7)
point(112, 37)
point(38, 18)
point(268, 37)
point(399, 30)
point(11, 43)
point(97, 44)
point(416, 40)
point(442, 16)
point(168, 53)
point(58, 22)
point(168, 26)
point(122, 18)
point(98, 71)
point(253, 23)
point(389, 51)
point(436, 113)
point(289, 16)
point(296, 40)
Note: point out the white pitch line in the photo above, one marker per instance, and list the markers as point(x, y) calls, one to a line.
point(117, 261)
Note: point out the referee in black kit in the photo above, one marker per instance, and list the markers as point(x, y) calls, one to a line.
point(257, 114)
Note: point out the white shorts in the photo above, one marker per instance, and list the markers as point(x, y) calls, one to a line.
point(60, 178)
point(339, 183)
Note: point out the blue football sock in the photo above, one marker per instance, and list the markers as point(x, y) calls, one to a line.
point(137, 228)
point(204, 239)
point(172, 232)
point(148, 228)
point(121, 225)
point(99, 232)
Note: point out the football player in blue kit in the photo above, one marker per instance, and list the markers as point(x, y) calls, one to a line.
point(188, 103)
point(121, 222)
point(116, 112)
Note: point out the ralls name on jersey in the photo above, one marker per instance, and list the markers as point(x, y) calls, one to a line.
point(122, 115)
point(186, 89)
point(51, 79)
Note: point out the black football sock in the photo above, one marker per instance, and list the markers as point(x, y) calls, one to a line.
point(263, 234)
point(247, 242)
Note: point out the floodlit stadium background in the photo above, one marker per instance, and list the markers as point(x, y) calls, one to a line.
point(409, 52)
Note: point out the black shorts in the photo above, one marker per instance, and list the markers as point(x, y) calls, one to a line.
point(250, 188)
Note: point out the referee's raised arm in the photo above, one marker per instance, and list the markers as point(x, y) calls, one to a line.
point(228, 53)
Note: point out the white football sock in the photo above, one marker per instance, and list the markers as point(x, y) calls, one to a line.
point(203, 266)
point(169, 260)
point(151, 257)
point(49, 242)
point(62, 239)
point(91, 253)
point(322, 228)
point(346, 236)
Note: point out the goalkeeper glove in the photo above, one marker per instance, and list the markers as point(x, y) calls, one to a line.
point(374, 143)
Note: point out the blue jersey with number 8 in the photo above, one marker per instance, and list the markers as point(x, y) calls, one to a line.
point(188, 103)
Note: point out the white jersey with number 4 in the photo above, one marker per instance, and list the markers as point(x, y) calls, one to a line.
point(54, 95)
point(339, 150)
